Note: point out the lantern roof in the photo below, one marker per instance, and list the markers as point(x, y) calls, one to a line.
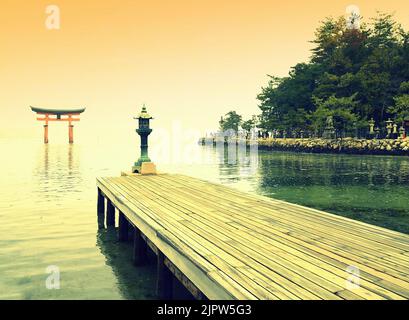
point(144, 114)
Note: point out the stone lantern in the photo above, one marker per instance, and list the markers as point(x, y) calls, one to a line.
point(371, 127)
point(406, 127)
point(389, 127)
point(402, 132)
point(143, 131)
point(395, 131)
point(329, 130)
point(377, 132)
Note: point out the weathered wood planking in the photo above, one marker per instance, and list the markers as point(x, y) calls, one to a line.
point(234, 245)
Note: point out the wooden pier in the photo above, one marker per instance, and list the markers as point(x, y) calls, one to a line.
point(221, 243)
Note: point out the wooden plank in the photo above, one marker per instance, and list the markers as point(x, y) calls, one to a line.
point(196, 270)
point(216, 249)
point(209, 255)
point(381, 288)
point(253, 218)
point(317, 214)
point(251, 247)
point(210, 246)
point(269, 204)
point(391, 266)
point(185, 281)
point(320, 215)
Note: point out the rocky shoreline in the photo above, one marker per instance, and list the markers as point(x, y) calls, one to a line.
point(345, 146)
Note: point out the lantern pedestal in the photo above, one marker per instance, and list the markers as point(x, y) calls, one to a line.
point(145, 168)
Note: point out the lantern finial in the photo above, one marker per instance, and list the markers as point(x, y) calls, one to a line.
point(143, 114)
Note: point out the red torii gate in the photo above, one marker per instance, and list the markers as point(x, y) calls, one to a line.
point(68, 115)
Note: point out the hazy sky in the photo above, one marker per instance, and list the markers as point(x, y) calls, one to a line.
point(190, 60)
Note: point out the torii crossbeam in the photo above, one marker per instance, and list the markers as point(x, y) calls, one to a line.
point(68, 115)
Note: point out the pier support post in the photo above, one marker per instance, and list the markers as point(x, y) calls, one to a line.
point(139, 248)
point(101, 209)
point(110, 214)
point(123, 227)
point(164, 279)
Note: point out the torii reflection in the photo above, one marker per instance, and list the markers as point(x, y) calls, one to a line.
point(58, 172)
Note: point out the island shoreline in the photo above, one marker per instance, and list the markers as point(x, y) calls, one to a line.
point(397, 147)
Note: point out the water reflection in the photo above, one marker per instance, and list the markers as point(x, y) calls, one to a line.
point(236, 164)
point(133, 282)
point(290, 169)
point(57, 174)
point(373, 189)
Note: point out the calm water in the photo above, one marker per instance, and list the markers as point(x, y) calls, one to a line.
point(48, 208)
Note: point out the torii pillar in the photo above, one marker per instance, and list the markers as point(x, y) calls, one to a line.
point(70, 130)
point(46, 130)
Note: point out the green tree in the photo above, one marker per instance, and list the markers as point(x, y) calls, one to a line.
point(340, 109)
point(354, 74)
point(231, 121)
point(400, 110)
point(247, 126)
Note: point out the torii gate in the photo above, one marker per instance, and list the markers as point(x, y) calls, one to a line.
point(56, 115)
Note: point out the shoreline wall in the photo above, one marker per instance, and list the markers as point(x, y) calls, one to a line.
point(342, 146)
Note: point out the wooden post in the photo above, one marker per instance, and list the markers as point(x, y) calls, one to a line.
point(101, 209)
point(123, 227)
point(110, 218)
point(164, 279)
point(139, 248)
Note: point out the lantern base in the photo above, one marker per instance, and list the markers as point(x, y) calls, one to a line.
point(141, 160)
point(145, 168)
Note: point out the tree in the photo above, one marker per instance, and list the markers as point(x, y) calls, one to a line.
point(401, 108)
point(247, 126)
point(231, 121)
point(283, 97)
point(327, 38)
point(340, 109)
point(354, 74)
